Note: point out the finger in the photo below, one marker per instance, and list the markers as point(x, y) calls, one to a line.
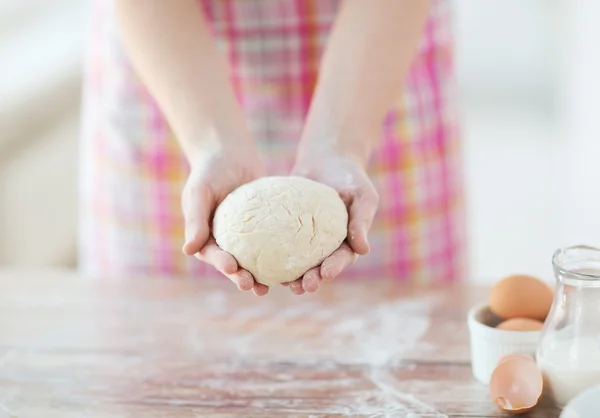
point(333, 265)
point(197, 206)
point(260, 289)
point(361, 213)
point(222, 260)
point(311, 280)
point(285, 284)
point(296, 287)
point(243, 279)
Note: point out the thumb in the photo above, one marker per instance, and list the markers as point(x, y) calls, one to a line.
point(361, 214)
point(197, 207)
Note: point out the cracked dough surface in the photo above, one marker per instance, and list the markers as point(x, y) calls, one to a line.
point(277, 227)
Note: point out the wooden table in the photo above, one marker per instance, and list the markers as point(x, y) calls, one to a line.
point(73, 347)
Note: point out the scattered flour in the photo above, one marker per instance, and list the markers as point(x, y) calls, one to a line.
point(370, 338)
point(352, 345)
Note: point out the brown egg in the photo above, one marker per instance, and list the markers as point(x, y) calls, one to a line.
point(520, 324)
point(521, 296)
point(516, 384)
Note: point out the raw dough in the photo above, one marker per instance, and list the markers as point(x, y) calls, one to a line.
point(277, 228)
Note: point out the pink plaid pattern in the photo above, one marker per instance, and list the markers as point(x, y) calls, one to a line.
point(132, 169)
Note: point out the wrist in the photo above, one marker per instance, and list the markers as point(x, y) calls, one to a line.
point(308, 155)
point(213, 142)
point(355, 146)
point(338, 131)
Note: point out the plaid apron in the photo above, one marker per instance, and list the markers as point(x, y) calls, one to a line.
point(132, 169)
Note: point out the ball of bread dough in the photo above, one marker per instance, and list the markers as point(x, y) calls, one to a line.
point(278, 228)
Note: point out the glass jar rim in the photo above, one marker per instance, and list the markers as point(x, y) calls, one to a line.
point(561, 269)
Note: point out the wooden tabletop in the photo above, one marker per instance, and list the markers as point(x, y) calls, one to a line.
point(73, 347)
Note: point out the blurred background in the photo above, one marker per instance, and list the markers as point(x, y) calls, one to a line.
point(528, 90)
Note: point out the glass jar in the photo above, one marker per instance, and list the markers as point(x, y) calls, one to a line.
point(568, 352)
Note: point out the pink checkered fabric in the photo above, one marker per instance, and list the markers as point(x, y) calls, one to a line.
point(132, 169)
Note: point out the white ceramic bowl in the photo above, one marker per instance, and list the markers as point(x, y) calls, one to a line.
point(489, 344)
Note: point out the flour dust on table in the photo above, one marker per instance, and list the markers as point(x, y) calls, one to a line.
point(199, 348)
point(371, 339)
point(357, 334)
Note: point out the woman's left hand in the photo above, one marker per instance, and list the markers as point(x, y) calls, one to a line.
point(349, 178)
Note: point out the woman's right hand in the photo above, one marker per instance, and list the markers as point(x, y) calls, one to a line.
point(212, 177)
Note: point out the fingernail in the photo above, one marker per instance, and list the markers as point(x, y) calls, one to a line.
point(365, 234)
point(187, 248)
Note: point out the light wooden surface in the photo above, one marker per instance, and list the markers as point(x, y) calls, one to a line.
point(72, 347)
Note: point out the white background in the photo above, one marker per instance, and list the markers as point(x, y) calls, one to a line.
point(528, 74)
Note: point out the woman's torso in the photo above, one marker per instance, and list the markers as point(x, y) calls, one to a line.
point(133, 169)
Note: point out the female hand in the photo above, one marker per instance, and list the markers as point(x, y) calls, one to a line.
point(349, 178)
point(212, 177)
